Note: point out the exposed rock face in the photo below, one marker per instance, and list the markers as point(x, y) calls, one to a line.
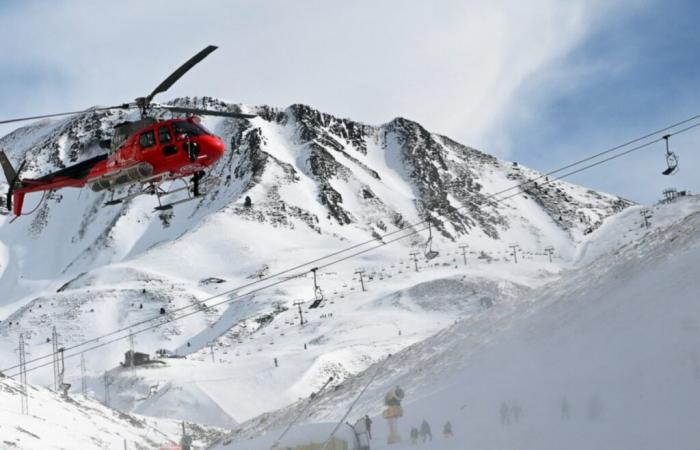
point(302, 166)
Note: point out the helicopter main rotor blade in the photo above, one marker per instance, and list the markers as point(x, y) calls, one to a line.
point(165, 85)
point(45, 116)
point(207, 112)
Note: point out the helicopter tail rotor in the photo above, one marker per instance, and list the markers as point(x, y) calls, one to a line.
point(13, 179)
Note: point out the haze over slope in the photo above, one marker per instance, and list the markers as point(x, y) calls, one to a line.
point(617, 341)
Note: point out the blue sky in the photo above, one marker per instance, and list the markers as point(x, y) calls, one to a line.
point(636, 74)
point(541, 82)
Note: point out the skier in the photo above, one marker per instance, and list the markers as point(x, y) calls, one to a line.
point(275, 360)
point(368, 424)
point(425, 431)
point(565, 408)
point(414, 435)
point(447, 430)
point(505, 416)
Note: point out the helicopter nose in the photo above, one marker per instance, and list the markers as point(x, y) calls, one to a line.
point(215, 147)
point(220, 148)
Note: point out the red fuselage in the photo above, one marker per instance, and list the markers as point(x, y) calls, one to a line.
point(160, 151)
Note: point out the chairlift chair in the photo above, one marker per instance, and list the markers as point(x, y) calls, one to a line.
point(671, 159)
point(429, 252)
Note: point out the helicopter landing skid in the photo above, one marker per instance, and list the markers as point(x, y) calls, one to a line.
point(150, 190)
point(154, 188)
point(170, 206)
point(192, 194)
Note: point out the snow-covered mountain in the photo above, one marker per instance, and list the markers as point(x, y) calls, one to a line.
point(318, 184)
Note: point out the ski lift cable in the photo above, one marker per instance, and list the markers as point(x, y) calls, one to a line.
point(361, 244)
point(228, 292)
point(617, 147)
point(301, 413)
point(197, 311)
point(352, 405)
point(610, 158)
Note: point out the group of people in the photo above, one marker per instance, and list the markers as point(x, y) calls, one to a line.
point(424, 432)
point(510, 413)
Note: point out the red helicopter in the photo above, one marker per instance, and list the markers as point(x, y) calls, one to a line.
point(146, 152)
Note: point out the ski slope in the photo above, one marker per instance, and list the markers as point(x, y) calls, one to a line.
point(75, 422)
point(616, 338)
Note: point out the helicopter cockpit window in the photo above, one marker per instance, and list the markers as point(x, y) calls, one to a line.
point(187, 129)
point(203, 128)
point(164, 135)
point(147, 139)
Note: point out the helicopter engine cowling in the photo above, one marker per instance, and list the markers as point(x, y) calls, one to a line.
point(130, 175)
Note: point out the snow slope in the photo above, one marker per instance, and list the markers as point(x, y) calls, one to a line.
point(617, 340)
point(318, 184)
point(55, 422)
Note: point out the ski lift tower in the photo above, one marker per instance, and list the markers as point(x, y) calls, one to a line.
point(464, 252)
point(515, 248)
point(549, 251)
point(670, 194)
point(301, 313)
point(646, 215)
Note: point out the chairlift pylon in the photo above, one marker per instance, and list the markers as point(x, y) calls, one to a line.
point(671, 159)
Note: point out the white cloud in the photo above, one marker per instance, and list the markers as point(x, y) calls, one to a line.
point(453, 66)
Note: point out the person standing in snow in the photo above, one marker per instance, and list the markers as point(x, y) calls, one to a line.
point(368, 424)
point(414, 435)
point(425, 432)
point(392, 412)
point(505, 414)
point(447, 430)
